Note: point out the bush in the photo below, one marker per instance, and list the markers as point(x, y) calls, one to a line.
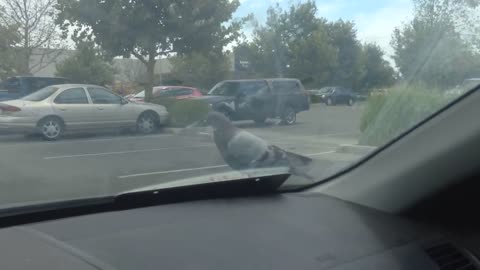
point(315, 99)
point(387, 116)
point(184, 112)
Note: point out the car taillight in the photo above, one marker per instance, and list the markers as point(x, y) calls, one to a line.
point(9, 108)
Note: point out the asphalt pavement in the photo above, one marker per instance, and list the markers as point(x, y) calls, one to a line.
point(81, 166)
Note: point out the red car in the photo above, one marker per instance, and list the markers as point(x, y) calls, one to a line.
point(175, 92)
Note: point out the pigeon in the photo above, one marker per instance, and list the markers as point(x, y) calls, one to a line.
point(242, 150)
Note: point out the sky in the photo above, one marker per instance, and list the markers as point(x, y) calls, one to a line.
point(374, 19)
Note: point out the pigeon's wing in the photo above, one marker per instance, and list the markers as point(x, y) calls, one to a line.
point(244, 149)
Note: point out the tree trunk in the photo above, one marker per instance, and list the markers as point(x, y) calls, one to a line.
point(150, 78)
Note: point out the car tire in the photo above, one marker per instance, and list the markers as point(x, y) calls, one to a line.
point(147, 123)
point(51, 128)
point(350, 102)
point(289, 116)
point(329, 102)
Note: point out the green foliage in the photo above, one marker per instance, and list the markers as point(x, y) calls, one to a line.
point(86, 66)
point(378, 72)
point(184, 112)
point(431, 48)
point(295, 43)
point(200, 70)
point(387, 116)
point(151, 28)
point(9, 36)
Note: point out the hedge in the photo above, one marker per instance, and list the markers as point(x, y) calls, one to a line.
point(184, 112)
point(387, 116)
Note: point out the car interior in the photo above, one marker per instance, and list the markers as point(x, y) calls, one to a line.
point(379, 213)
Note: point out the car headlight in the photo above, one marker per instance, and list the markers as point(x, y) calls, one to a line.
point(323, 96)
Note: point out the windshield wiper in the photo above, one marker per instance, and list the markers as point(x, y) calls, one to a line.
point(226, 185)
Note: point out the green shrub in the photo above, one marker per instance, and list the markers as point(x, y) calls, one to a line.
point(315, 99)
point(184, 112)
point(387, 116)
point(372, 109)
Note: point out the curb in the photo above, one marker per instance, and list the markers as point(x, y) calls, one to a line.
point(355, 149)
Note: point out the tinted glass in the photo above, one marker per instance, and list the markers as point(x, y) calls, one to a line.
point(103, 96)
point(12, 84)
point(286, 87)
point(72, 96)
point(224, 89)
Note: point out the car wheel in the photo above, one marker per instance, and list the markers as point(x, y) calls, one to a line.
point(147, 123)
point(289, 116)
point(350, 102)
point(329, 102)
point(51, 128)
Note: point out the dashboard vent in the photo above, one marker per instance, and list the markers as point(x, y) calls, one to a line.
point(448, 257)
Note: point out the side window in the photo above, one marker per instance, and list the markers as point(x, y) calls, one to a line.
point(286, 87)
point(37, 83)
point(103, 96)
point(183, 92)
point(253, 88)
point(12, 85)
point(72, 96)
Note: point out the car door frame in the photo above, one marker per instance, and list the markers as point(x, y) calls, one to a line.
point(75, 125)
point(108, 109)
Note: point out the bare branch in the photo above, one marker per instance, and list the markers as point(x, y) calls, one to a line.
point(140, 57)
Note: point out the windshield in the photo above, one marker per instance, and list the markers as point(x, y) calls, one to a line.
point(140, 94)
point(41, 94)
point(377, 67)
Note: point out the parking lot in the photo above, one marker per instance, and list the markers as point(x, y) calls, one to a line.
point(90, 165)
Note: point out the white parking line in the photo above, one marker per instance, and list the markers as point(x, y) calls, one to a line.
point(172, 171)
point(199, 168)
point(75, 140)
point(321, 153)
point(126, 152)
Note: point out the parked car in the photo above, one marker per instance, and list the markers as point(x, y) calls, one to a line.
point(259, 99)
point(334, 95)
point(175, 92)
point(77, 107)
point(19, 86)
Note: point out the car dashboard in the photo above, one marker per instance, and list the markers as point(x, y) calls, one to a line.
point(281, 231)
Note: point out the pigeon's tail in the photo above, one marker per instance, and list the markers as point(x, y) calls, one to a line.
point(299, 165)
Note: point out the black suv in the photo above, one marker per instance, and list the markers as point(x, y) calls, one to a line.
point(333, 95)
point(259, 99)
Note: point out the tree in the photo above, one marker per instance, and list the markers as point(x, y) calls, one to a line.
point(201, 70)
point(293, 43)
point(87, 65)
point(378, 72)
point(151, 29)
point(349, 71)
point(431, 48)
point(8, 38)
point(37, 32)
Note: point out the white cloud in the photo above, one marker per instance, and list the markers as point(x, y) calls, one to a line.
point(378, 26)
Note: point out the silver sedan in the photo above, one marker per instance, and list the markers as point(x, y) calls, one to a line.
point(77, 107)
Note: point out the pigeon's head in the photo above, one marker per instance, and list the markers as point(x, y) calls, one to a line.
point(218, 121)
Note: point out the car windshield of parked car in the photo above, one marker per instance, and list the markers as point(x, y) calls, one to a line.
point(41, 94)
point(303, 87)
point(140, 94)
point(327, 90)
point(224, 89)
